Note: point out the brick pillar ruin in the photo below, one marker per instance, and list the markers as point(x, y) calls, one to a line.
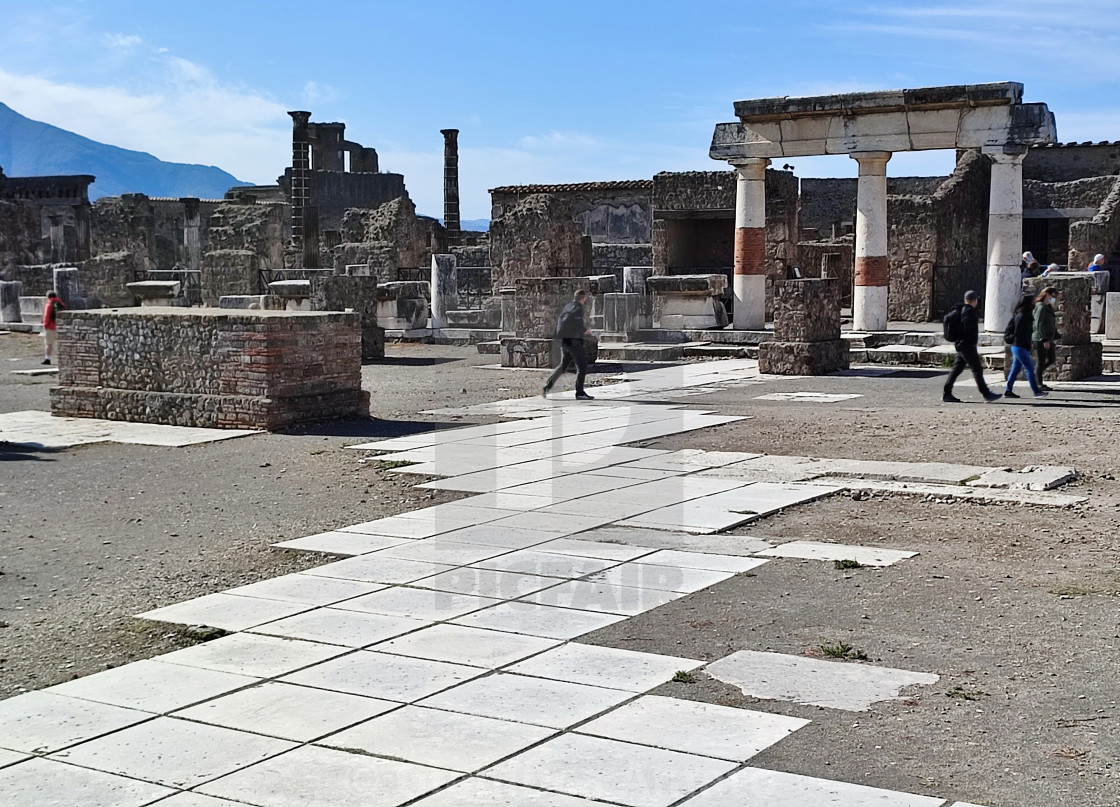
point(1005, 236)
point(451, 186)
point(806, 330)
point(301, 175)
point(869, 298)
point(1076, 355)
point(750, 244)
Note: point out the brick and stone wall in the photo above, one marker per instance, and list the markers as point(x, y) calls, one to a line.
point(1064, 162)
point(210, 368)
point(806, 330)
point(532, 237)
point(1076, 355)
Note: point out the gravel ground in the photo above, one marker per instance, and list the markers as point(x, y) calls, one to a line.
point(1015, 607)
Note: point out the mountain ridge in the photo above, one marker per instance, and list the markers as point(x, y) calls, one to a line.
point(33, 148)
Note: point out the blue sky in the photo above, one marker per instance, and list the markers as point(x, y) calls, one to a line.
point(542, 92)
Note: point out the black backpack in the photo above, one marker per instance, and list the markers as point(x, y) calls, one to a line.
point(951, 325)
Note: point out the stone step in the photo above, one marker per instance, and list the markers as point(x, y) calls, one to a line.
point(463, 336)
point(492, 348)
point(720, 351)
point(643, 351)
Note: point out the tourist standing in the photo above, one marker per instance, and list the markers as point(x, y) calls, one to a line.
point(967, 354)
point(570, 329)
point(1045, 333)
point(1097, 265)
point(1018, 335)
point(1029, 267)
point(50, 323)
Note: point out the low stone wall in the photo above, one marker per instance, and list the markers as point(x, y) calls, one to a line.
point(1076, 355)
point(210, 368)
point(806, 330)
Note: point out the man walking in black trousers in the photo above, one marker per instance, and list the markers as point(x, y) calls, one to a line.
point(571, 330)
point(967, 355)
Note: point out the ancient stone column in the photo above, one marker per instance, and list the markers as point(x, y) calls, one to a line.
point(445, 288)
point(192, 228)
point(451, 185)
point(750, 244)
point(869, 298)
point(1005, 237)
point(58, 237)
point(301, 188)
point(67, 285)
point(10, 292)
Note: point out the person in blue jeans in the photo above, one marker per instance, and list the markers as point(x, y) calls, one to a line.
point(1020, 330)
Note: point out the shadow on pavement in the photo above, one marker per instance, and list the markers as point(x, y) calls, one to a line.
point(10, 452)
point(372, 428)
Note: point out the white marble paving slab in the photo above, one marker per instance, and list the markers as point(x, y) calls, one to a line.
point(173, 752)
point(324, 776)
point(378, 568)
point(732, 545)
point(474, 647)
point(665, 578)
point(475, 792)
point(457, 513)
point(225, 611)
point(610, 667)
point(808, 397)
point(595, 549)
point(550, 522)
point(33, 427)
point(441, 739)
point(538, 620)
point(775, 789)
point(545, 564)
point(400, 527)
point(152, 686)
point(818, 550)
point(252, 655)
point(338, 627)
point(612, 509)
point(702, 560)
point(694, 727)
point(833, 684)
point(185, 799)
point(440, 550)
point(11, 757)
point(507, 501)
point(42, 721)
point(487, 583)
point(538, 701)
point(379, 675)
point(287, 711)
point(590, 595)
point(620, 773)
point(307, 588)
point(505, 537)
point(418, 603)
point(46, 783)
point(337, 542)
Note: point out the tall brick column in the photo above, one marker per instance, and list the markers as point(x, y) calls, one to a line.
point(750, 244)
point(451, 186)
point(869, 298)
point(1005, 237)
point(301, 169)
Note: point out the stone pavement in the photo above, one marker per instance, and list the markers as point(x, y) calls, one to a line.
point(437, 664)
point(42, 430)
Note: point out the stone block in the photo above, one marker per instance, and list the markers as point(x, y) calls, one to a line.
point(807, 310)
point(242, 302)
point(802, 358)
point(1033, 477)
point(290, 288)
point(475, 318)
point(621, 314)
point(211, 368)
point(521, 351)
point(68, 285)
point(701, 285)
point(634, 282)
point(10, 291)
point(31, 308)
point(1112, 316)
point(154, 292)
point(402, 313)
point(444, 289)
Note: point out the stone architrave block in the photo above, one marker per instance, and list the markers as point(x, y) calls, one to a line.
point(802, 358)
point(1112, 315)
point(10, 291)
point(807, 310)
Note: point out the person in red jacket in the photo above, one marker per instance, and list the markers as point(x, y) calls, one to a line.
point(50, 323)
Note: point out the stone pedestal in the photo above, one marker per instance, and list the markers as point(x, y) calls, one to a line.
point(403, 306)
point(688, 302)
point(31, 309)
point(156, 293)
point(620, 317)
point(444, 288)
point(1077, 356)
point(806, 330)
point(1101, 283)
point(634, 282)
point(10, 291)
point(68, 287)
point(1112, 315)
point(295, 295)
point(507, 306)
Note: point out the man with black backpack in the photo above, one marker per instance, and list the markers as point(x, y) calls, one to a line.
point(962, 328)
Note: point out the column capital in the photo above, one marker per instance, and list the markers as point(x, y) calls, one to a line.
point(1005, 155)
point(869, 161)
point(750, 167)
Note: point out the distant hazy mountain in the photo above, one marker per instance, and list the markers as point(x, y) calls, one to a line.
point(30, 148)
point(475, 225)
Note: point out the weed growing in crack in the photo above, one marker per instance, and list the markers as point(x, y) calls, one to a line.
point(843, 650)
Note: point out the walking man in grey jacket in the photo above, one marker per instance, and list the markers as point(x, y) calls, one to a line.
point(570, 329)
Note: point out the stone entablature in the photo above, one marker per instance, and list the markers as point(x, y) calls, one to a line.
point(210, 368)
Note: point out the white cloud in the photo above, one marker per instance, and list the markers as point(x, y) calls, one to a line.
point(184, 115)
point(122, 41)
